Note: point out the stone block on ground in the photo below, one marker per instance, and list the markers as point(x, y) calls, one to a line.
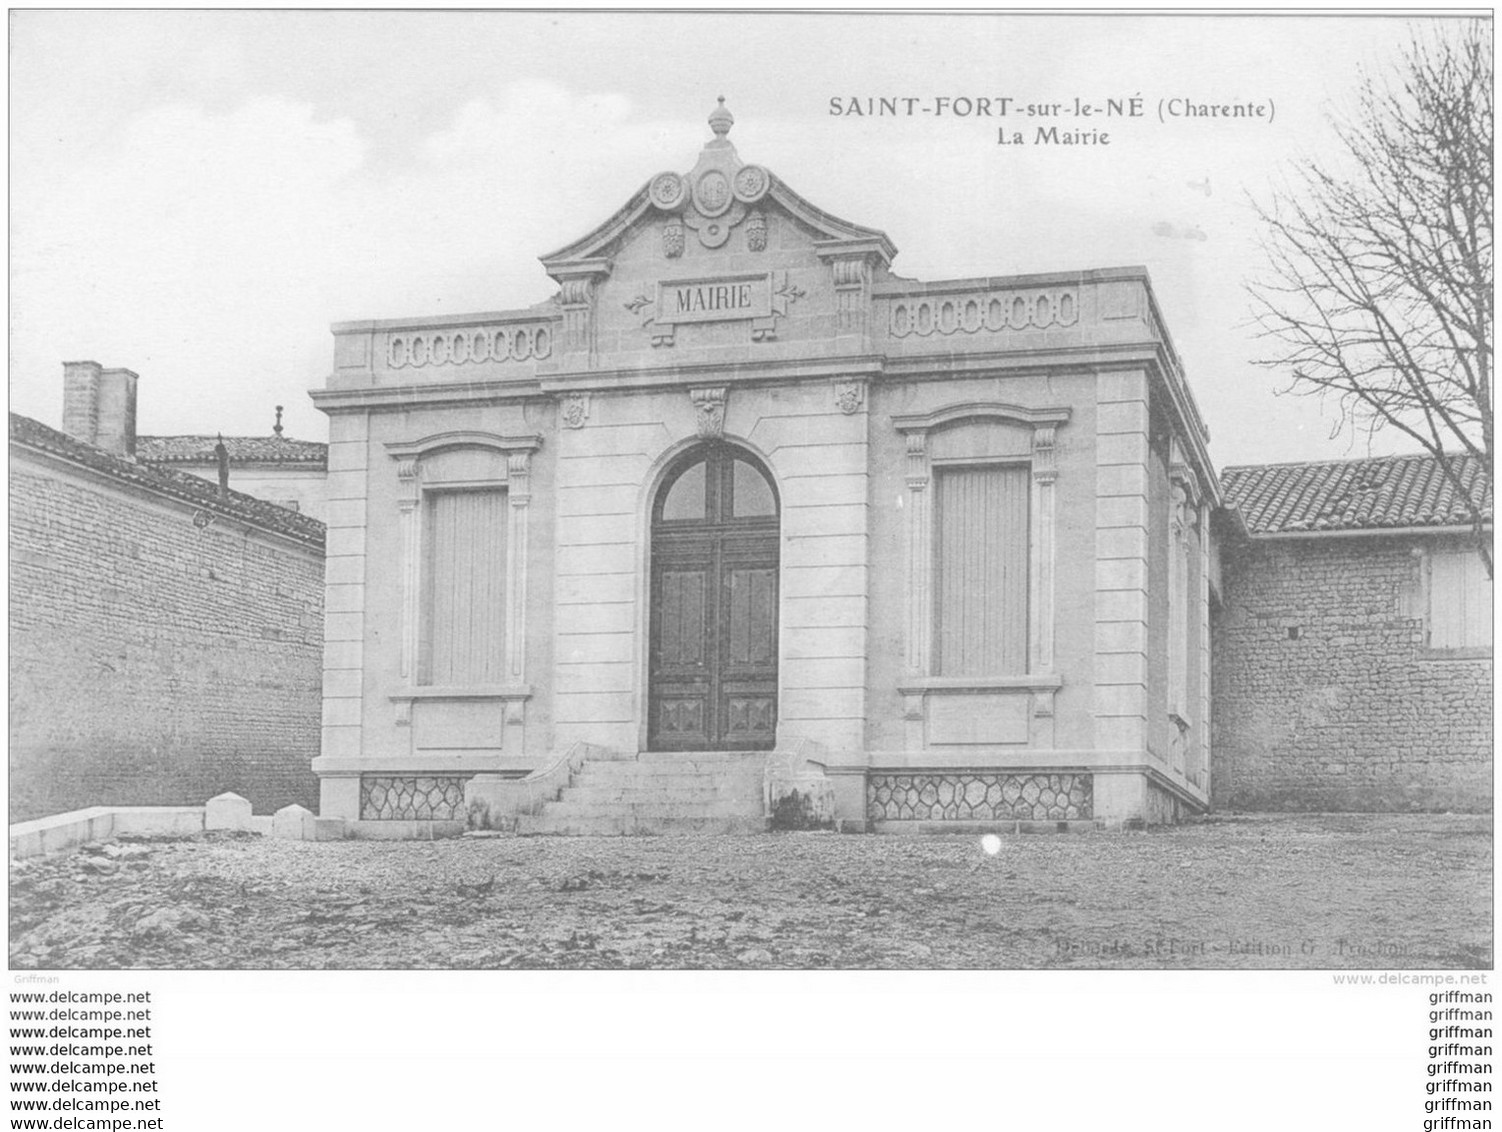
point(294, 823)
point(329, 829)
point(226, 811)
point(492, 801)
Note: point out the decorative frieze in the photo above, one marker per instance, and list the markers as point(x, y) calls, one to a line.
point(979, 797)
point(469, 346)
point(991, 313)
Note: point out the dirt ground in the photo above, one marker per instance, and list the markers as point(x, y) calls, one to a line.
point(1285, 891)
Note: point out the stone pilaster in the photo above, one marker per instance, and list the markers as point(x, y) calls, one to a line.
point(1121, 562)
point(344, 610)
point(852, 266)
point(409, 494)
point(519, 494)
point(578, 283)
point(1041, 627)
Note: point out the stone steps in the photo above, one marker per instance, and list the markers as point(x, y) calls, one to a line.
point(658, 792)
point(676, 794)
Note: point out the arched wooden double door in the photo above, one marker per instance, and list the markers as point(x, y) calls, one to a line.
point(713, 675)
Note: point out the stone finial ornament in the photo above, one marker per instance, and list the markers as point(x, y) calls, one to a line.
point(720, 119)
point(713, 198)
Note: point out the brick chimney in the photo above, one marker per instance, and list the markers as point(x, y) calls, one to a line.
point(99, 406)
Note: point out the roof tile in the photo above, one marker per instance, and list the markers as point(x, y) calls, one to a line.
point(1352, 495)
point(256, 449)
point(165, 481)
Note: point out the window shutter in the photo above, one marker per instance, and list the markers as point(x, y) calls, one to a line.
point(981, 572)
point(464, 638)
point(1460, 601)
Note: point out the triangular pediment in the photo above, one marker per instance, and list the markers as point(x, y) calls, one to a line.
point(720, 197)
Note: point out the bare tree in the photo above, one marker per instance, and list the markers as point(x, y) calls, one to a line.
point(1379, 287)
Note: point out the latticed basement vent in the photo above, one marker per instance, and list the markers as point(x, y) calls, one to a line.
point(419, 798)
point(979, 797)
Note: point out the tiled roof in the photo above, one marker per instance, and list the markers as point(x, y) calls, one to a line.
point(165, 481)
point(242, 449)
point(1353, 495)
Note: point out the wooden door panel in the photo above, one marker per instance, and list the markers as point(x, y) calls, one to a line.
point(683, 633)
point(751, 601)
point(681, 721)
point(750, 716)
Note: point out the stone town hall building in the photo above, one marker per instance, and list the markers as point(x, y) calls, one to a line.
point(940, 548)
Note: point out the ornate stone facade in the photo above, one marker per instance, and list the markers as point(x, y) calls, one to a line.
point(742, 459)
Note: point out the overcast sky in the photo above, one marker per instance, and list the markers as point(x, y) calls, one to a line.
point(197, 195)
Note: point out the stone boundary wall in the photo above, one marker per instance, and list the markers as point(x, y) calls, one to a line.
point(159, 654)
point(1325, 697)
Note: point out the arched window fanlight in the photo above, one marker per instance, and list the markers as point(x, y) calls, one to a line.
point(717, 485)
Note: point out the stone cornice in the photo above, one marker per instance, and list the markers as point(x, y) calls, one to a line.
point(795, 370)
point(893, 288)
point(464, 439)
point(979, 410)
point(543, 312)
point(366, 398)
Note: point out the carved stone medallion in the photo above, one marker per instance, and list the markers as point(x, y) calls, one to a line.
point(668, 191)
point(712, 193)
point(751, 183)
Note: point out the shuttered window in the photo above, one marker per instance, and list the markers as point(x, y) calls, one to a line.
point(981, 566)
point(464, 622)
point(1460, 601)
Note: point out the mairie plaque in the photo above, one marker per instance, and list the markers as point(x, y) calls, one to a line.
point(719, 299)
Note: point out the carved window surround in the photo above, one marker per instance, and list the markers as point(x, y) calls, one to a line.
point(515, 478)
point(921, 681)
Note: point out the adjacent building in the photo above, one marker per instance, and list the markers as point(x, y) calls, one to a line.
point(165, 635)
point(740, 488)
point(290, 473)
point(1353, 652)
